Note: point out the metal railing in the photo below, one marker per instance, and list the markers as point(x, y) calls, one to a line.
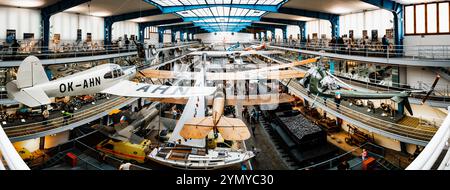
point(433, 52)
point(32, 128)
point(402, 130)
point(76, 51)
point(9, 155)
point(437, 145)
point(113, 161)
point(374, 151)
point(442, 90)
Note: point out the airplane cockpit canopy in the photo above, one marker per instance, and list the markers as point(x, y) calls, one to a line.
point(114, 74)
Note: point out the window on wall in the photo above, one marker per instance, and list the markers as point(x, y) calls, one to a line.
point(149, 30)
point(443, 19)
point(431, 19)
point(409, 20)
point(420, 19)
point(427, 18)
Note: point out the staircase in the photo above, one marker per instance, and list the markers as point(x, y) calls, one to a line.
point(443, 72)
point(55, 159)
point(386, 165)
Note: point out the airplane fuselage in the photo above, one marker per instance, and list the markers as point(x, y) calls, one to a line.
point(91, 81)
point(218, 106)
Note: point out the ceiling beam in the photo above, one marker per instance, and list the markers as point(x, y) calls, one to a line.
point(282, 21)
point(175, 9)
point(252, 18)
point(385, 4)
point(133, 15)
point(161, 22)
point(61, 6)
point(307, 13)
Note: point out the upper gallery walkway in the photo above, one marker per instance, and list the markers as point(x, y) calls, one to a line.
point(429, 56)
point(76, 54)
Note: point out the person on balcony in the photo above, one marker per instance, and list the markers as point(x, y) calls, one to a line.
point(385, 42)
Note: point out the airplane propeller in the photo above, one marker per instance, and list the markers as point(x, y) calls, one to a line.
point(431, 89)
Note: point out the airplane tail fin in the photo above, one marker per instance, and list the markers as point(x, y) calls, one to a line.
point(403, 100)
point(31, 73)
point(31, 97)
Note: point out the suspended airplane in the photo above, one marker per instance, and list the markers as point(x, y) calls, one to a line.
point(234, 53)
point(229, 128)
point(322, 83)
point(272, 72)
point(233, 47)
point(33, 88)
point(256, 47)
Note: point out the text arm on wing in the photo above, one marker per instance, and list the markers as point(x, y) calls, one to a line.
point(133, 89)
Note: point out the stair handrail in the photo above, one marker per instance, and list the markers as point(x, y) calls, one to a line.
point(434, 148)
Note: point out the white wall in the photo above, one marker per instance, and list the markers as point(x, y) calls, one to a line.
point(31, 144)
point(119, 29)
point(370, 20)
point(318, 26)
point(57, 139)
point(294, 31)
point(425, 75)
point(154, 39)
point(21, 20)
point(66, 24)
point(225, 37)
point(412, 42)
point(167, 38)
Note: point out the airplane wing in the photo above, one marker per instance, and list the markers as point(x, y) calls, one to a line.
point(229, 128)
point(161, 74)
point(251, 100)
point(242, 75)
point(226, 53)
point(197, 128)
point(133, 89)
point(233, 129)
point(271, 72)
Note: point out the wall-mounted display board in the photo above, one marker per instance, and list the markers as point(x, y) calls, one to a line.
point(79, 35)
point(56, 38)
point(28, 36)
point(365, 34)
point(89, 37)
point(374, 35)
point(10, 36)
point(390, 33)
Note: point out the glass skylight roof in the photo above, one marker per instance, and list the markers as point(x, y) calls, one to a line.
point(219, 15)
point(166, 3)
point(220, 11)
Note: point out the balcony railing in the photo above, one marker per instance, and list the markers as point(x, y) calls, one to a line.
point(7, 54)
point(35, 127)
point(421, 134)
point(425, 52)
